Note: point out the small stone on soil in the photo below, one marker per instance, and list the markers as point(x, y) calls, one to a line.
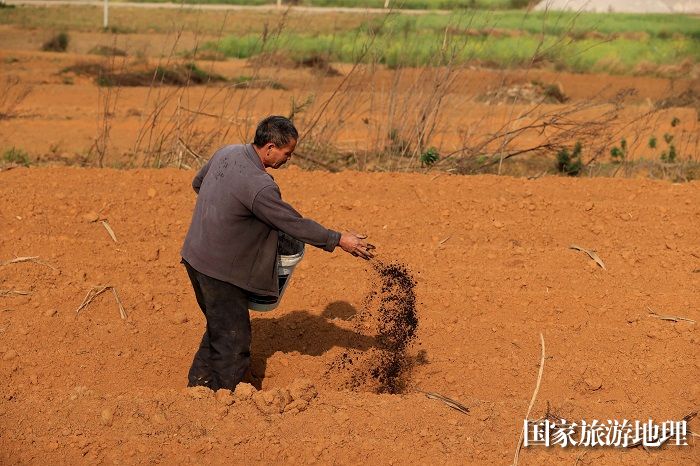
point(106, 417)
point(224, 396)
point(244, 391)
point(179, 318)
point(91, 217)
point(593, 383)
point(199, 392)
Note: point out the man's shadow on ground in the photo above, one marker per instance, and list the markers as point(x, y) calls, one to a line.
point(304, 332)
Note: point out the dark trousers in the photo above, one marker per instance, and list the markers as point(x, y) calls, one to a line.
point(224, 353)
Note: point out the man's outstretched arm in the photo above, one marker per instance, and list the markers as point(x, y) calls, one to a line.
point(269, 207)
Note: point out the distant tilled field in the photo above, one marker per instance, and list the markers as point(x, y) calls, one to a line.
point(473, 92)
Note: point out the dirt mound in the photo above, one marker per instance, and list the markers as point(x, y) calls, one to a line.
point(531, 92)
point(319, 64)
point(107, 51)
point(316, 63)
point(688, 98)
point(144, 76)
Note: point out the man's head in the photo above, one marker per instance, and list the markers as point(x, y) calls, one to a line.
point(275, 140)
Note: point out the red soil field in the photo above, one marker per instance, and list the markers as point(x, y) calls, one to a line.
point(493, 268)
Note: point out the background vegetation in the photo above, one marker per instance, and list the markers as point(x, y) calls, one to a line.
point(615, 43)
point(405, 4)
point(577, 42)
point(583, 136)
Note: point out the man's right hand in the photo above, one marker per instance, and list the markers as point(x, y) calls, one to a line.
point(353, 243)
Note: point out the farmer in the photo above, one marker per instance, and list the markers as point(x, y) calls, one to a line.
point(231, 247)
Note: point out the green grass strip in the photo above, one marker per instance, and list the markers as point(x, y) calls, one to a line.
point(426, 49)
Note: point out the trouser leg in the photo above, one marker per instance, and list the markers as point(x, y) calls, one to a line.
point(229, 337)
point(228, 332)
point(200, 373)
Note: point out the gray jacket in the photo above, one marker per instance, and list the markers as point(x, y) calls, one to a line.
point(239, 210)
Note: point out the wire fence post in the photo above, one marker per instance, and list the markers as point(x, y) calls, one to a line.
point(105, 16)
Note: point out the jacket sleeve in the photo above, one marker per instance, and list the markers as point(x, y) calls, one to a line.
point(269, 207)
point(197, 181)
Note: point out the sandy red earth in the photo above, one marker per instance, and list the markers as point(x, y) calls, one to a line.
point(490, 256)
point(493, 268)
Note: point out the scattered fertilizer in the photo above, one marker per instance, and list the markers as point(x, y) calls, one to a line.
point(397, 324)
point(389, 313)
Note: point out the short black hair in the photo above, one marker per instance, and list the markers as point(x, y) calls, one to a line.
point(275, 129)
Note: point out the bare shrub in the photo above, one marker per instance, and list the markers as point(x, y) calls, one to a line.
point(58, 43)
point(552, 130)
point(107, 51)
point(179, 127)
point(12, 93)
point(401, 110)
point(108, 98)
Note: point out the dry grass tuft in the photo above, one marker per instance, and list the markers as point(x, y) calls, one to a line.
point(95, 292)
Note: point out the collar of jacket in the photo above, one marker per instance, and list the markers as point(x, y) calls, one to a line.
point(255, 158)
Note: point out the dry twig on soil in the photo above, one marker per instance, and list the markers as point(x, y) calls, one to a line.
point(94, 292)
point(109, 230)
point(122, 311)
point(532, 403)
point(448, 401)
point(581, 455)
point(653, 313)
point(17, 260)
point(591, 253)
point(535, 177)
point(14, 292)
point(35, 259)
